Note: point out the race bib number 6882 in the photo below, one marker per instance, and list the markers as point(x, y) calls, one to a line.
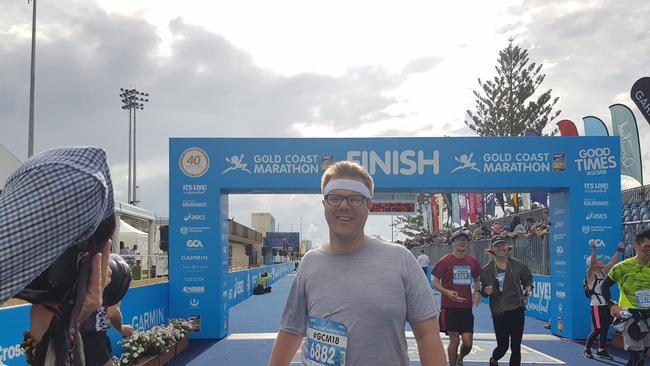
point(326, 344)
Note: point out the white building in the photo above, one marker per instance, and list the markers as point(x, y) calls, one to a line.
point(263, 222)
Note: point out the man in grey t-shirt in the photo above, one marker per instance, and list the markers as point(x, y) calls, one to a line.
point(352, 298)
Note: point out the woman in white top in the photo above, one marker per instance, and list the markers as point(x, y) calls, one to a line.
point(600, 316)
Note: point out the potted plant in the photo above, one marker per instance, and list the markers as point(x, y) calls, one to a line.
point(157, 346)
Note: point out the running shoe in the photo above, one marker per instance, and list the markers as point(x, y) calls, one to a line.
point(587, 353)
point(493, 362)
point(604, 354)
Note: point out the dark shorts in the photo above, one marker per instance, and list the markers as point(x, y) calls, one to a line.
point(456, 320)
point(97, 348)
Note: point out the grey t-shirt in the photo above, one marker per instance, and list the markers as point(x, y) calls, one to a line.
point(373, 292)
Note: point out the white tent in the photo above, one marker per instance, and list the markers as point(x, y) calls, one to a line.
point(8, 163)
point(132, 236)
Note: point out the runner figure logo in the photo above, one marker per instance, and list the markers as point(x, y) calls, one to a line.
point(466, 163)
point(237, 163)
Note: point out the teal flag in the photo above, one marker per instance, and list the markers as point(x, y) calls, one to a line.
point(455, 209)
point(594, 126)
point(624, 125)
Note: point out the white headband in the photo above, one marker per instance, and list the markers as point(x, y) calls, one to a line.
point(347, 184)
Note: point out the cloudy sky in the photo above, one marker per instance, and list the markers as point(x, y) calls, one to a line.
point(308, 69)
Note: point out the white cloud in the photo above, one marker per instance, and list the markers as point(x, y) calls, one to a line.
point(311, 69)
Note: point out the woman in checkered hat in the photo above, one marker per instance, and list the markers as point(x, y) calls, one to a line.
point(56, 221)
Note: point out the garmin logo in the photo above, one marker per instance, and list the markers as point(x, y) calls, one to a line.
point(148, 319)
point(407, 162)
point(194, 257)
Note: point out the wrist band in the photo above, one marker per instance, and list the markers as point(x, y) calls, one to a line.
point(620, 250)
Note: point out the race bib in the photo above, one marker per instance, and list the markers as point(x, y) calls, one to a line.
point(501, 277)
point(642, 299)
point(462, 275)
point(326, 344)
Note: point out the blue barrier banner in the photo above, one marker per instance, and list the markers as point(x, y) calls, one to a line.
point(240, 284)
point(538, 304)
point(142, 308)
point(582, 174)
point(13, 321)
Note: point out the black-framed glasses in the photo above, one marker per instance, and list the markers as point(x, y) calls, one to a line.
point(337, 199)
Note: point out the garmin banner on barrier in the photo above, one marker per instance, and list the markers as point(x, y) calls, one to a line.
point(582, 175)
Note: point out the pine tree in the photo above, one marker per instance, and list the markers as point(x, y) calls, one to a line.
point(505, 109)
point(410, 226)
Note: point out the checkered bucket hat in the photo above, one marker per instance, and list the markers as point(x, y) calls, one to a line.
point(53, 201)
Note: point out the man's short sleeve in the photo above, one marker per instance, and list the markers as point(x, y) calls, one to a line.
point(294, 316)
point(476, 268)
point(420, 302)
point(440, 268)
point(615, 272)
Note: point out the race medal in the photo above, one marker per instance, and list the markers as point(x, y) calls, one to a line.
point(642, 299)
point(326, 344)
point(462, 275)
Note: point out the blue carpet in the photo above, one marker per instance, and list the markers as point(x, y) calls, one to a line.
point(261, 314)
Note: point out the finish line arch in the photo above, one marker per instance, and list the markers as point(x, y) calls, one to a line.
point(582, 174)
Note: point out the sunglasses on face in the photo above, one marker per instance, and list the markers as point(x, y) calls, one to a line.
point(337, 199)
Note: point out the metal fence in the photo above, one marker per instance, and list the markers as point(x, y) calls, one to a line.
point(147, 266)
point(533, 252)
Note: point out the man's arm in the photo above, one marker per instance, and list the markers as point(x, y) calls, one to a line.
point(430, 349)
point(115, 316)
point(284, 348)
point(619, 251)
point(476, 294)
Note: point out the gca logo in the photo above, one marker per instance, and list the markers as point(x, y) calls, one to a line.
point(194, 244)
point(599, 242)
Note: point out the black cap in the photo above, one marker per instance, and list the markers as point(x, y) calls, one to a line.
point(497, 239)
point(458, 233)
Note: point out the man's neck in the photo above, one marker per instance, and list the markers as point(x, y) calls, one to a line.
point(641, 260)
point(501, 260)
point(339, 245)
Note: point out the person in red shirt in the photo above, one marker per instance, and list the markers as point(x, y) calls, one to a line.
point(453, 276)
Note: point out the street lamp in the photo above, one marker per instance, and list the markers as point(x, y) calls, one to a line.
point(300, 237)
point(32, 79)
point(132, 100)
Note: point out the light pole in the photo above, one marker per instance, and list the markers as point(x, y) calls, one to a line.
point(132, 100)
point(32, 80)
point(300, 237)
